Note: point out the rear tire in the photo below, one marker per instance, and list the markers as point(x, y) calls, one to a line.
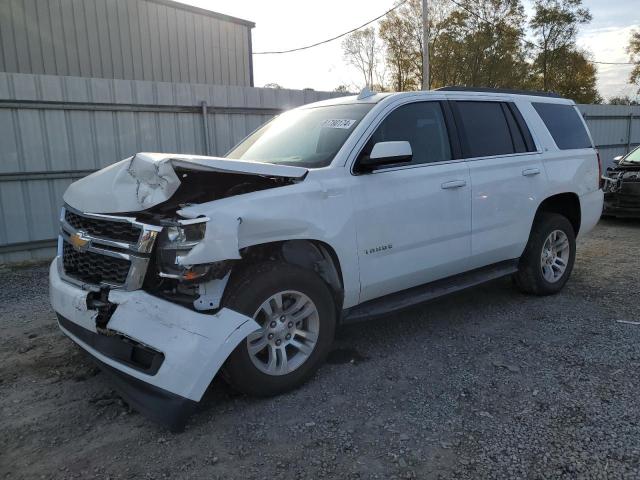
point(547, 261)
point(298, 314)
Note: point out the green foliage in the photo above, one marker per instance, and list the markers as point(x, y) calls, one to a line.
point(633, 49)
point(559, 65)
point(481, 43)
point(625, 100)
point(471, 52)
point(401, 33)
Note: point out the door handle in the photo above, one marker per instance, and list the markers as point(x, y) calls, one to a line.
point(453, 184)
point(528, 172)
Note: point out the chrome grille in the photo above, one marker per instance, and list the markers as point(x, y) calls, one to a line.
point(119, 231)
point(94, 268)
point(104, 250)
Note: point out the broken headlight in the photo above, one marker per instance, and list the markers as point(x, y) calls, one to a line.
point(177, 241)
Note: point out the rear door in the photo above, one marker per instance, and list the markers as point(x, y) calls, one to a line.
point(507, 177)
point(413, 220)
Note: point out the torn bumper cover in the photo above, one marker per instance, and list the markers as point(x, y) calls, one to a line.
point(161, 356)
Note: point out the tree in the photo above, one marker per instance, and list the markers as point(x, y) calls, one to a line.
point(559, 65)
point(633, 49)
point(401, 33)
point(576, 79)
point(341, 89)
point(361, 49)
point(275, 86)
point(622, 100)
point(463, 48)
point(480, 45)
point(400, 51)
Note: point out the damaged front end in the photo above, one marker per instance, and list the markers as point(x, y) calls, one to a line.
point(622, 191)
point(139, 286)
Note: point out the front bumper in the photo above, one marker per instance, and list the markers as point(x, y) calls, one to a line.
point(168, 354)
point(615, 208)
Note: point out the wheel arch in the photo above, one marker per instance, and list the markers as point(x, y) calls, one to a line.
point(566, 204)
point(312, 254)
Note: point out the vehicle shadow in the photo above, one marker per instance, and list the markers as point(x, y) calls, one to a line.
point(440, 317)
point(620, 221)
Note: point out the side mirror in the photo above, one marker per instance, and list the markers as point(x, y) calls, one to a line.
point(387, 153)
point(617, 159)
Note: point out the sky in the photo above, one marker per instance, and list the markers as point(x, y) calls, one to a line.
point(284, 24)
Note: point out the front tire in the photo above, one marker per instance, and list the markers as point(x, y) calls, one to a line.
point(297, 313)
point(547, 261)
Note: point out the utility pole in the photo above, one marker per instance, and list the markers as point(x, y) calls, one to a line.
point(425, 45)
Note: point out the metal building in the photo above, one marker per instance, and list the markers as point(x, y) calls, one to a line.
point(156, 40)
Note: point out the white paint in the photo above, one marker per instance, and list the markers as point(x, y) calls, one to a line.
point(426, 229)
point(391, 149)
point(69, 301)
point(195, 345)
point(317, 209)
point(210, 293)
point(591, 210)
point(220, 240)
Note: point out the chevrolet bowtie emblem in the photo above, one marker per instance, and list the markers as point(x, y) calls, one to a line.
point(79, 241)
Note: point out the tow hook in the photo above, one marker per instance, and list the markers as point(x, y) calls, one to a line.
point(100, 301)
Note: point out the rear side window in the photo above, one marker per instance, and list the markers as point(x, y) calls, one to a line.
point(491, 128)
point(564, 125)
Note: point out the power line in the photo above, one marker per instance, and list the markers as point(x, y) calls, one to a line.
point(611, 63)
point(333, 38)
point(528, 42)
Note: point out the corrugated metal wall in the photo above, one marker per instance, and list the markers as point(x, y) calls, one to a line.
point(156, 40)
point(55, 129)
point(615, 129)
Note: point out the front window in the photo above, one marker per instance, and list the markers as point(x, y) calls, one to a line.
point(421, 124)
point(308, 137)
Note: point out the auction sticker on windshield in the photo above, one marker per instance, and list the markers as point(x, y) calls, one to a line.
point(337, 123)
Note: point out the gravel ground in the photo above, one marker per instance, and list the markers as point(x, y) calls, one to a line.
point(486, 383)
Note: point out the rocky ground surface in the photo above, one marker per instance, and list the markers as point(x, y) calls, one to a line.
point(486, 383)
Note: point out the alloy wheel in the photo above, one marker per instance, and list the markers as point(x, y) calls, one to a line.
point(290, 325)
point(554, 257)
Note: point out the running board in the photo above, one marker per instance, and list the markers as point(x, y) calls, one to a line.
point(429, 291)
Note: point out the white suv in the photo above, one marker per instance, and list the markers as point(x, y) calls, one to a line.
point(171, 267)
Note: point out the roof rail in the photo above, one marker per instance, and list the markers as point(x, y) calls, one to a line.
point(535, 93)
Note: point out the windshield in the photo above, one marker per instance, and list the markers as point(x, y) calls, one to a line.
point(633, 156)
point(307, 138)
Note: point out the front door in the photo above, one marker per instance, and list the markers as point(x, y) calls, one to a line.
point(413, 220)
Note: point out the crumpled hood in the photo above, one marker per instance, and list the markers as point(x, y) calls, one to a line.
point(148, 179)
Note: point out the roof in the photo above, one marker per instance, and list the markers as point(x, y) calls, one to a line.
point(202, 11)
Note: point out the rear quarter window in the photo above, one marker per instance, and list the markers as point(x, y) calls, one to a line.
point(564, 125)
